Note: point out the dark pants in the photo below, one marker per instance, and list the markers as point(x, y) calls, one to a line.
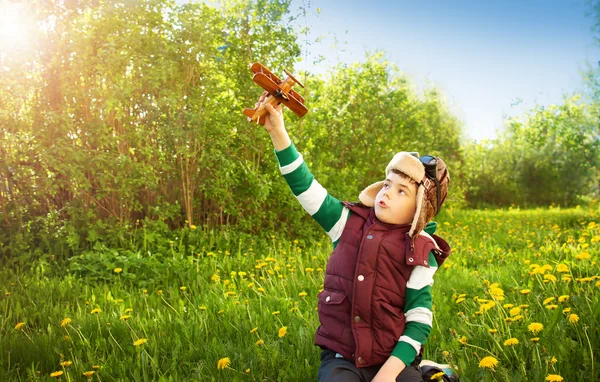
point(334, 369)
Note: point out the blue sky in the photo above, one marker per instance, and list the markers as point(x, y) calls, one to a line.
point(483, 55)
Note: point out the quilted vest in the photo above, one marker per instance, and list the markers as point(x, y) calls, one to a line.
point(361, 306)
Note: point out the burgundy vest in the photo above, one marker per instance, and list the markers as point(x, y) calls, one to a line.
point(361, 306)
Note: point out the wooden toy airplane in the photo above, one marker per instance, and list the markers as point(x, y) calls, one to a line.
point(279, 92)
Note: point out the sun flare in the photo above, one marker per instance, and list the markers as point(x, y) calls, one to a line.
point(14, 26)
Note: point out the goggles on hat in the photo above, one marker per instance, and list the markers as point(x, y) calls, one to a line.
point(430, 164)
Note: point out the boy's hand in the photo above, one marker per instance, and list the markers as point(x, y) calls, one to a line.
point(390, 370)
point(274, 124)
point(384, 377)
point(274, 118)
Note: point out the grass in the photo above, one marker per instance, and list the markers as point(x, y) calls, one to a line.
point(205, 298)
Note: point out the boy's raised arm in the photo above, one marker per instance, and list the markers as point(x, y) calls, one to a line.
point(328, 211)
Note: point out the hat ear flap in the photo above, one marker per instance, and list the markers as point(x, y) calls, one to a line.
point(367, 196)
point(419, 222)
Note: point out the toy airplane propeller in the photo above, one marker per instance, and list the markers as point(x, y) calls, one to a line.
point(279, 92)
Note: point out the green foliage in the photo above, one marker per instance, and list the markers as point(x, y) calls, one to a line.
point(549, 156)
point(134, 114)
point(131, 112)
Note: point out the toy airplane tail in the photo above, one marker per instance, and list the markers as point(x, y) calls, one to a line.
point(257, 116)
point(249, 112)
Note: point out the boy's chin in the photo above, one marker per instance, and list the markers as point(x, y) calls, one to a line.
point(384, 216)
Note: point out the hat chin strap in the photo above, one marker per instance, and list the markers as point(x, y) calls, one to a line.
point(420, 197)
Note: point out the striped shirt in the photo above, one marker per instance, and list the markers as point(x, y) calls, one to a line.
point(332, 216)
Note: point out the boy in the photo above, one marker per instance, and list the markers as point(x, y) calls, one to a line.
point(375, 308)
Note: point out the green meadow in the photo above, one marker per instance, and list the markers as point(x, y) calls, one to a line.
point(517, 300)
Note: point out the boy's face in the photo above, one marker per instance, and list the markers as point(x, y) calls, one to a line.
point(396, 202)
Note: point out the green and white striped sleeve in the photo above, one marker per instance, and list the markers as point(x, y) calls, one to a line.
point(417, 308)
point(328, 211)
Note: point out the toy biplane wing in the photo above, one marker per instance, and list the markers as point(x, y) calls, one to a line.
point(279, 92)
point(259, 68)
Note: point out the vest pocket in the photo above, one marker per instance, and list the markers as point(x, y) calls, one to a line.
point(331, 297)
point(334, 313)
point(396, 313)
point(391, 326)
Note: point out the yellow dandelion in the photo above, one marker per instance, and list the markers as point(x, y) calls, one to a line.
point(118, 270)
point(573, 318)
point(554, 378)
point(492, 331)
point(66, 321)
point(223, 363)
point(535, 339)
point(535, 327)
point(302, 294)
point(182, 288)
point(139, 342)
point(553, 360)
point(515, 311)
point(583, 256)
point(89, 373)
point(551, 307)
point(56, 374)
point(550, 277)
point(497, 292)
point(488, 362)
point(487, 306)
point(563, 298)
point(548, 300)
point(96, 310)
point(124, 317)
point(96, 367)
point(248, 371)
point(562, 268)
point(19, 325)
point(526, 291)
point(511, 342)
point(463, 340)
point(66, 363)
point(260, 342)
point(566, 310)
point(282, 331)
point(275, 313)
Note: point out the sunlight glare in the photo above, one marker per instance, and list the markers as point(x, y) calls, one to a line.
point(14, 26)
